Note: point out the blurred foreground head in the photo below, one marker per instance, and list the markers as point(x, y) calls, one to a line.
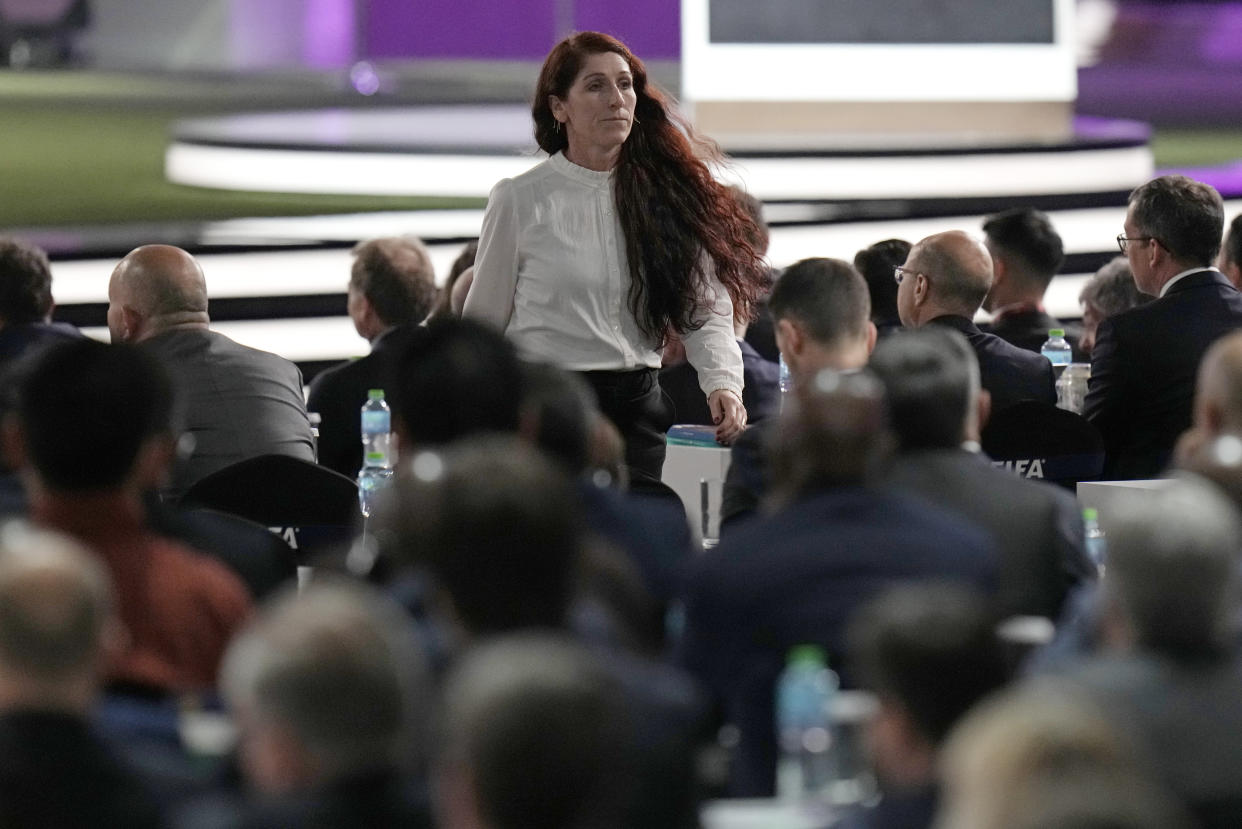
point(535, 734)
point(494, 524)
point(1031, 740)
point(327, 684)
point(93, 417)
point(56, 620)
point(836, 434)
point(931, 379)
point(929, 652)
point(1172, 585)
point(462, 378)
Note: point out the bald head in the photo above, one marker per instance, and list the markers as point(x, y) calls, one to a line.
point(1218, 395)
point(948, 273)
point(153, 289)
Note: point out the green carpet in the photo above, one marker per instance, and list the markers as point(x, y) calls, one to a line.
point(88, 148)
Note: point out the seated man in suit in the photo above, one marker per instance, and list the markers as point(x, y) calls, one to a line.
point(822, 310)
point(1109, 291)
point(1144, 363)
point(25, 326)
point(1172, 675)
point(392, 288)
point(1026, 255)
point(57, 631)
point(239, 402)
point(93, 431)
point(26, 302)
point(876, 264)
point(331, 693)
point(796, 576)
point(943, 282)
point(936, 409)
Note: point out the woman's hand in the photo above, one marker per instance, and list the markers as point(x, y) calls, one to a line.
point(728, 414)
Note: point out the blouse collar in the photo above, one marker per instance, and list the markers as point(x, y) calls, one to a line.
point(591, 178)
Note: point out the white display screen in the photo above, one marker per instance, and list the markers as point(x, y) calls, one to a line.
point(878, 50)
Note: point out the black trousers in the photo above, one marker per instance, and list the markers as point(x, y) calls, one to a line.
point(634, 402)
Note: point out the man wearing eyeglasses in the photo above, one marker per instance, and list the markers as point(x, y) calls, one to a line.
point(943, 282)
point(1144, 362)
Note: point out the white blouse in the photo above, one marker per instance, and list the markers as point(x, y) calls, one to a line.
point(551, 272)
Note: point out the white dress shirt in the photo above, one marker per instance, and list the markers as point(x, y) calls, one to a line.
point(551, 272)
point(1179, 277)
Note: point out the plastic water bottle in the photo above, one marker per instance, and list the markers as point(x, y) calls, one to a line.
point(1072, 387)
point(1097, 545)
point(1057, 349)
point(377, 428)
point(374, 477)
point(786, 382)
point(804, 696)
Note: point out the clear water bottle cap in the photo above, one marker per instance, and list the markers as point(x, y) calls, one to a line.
point(806, 655)
point(375, 394)
point(374, 458)
point(1056, 332)
point(1090, 514)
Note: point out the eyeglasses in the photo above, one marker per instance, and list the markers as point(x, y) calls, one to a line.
point(900, 273)
point(1123, 241)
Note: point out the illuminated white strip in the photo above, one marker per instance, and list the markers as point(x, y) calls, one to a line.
point(269, 273)
point(948, 176)
point(373, 174)
point(300, 340)
point(412, 174)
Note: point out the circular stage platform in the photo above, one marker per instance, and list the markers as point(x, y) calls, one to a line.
point(464, 150)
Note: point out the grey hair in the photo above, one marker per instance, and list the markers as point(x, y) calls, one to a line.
point(1173, 567)
point(339, 667)
point(1111, 289)
point(55, 601)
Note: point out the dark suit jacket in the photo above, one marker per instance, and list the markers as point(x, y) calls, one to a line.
point(1037, 527)
point(54, 771)
point(239, 402)
point(381, 799)
point(1029, 329)
point(761, 394)
point(1010, 374)
point(1143, 370)
point(746, 482)
point(797, 577)
point(339, 392)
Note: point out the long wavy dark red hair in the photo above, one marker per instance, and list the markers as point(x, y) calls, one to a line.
point(672, 210)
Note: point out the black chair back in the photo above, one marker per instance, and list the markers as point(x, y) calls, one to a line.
point(314, 509)
point(1038, 440)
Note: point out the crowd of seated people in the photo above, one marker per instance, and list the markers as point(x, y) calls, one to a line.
point(517, 639)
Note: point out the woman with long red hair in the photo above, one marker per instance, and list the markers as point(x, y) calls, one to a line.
point(622, 236)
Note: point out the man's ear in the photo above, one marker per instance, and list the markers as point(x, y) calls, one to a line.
point(1000, 271)
point(134, 322)
point(873, 334)
point(790, 336)
point(922, 289)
